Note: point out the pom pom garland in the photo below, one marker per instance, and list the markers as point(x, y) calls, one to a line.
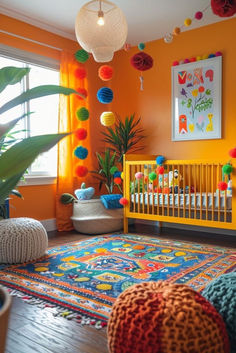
point(107, 118)
point(80, 73)
point(123, 201)
point(105, 95)
point(81, 171)
point(117, 180)
point(81, 56)
point(160, 160)
point(223, 8)
point(82, 91)
point(105, 72)
point(203, 57)
point(162, 317)
point(232, 152)
point(138, 175)
point(81, 134)
point(222, 186)
point(141, 61)
point(227, 169)
point(82, 114)
point(81, 152)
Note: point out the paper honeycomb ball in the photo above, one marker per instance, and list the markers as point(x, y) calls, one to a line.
point(141, 61)
point(81, 171)
point(107, 118)
point(81, 56)
point(82, 114)
point(82, 91)
point(161, 317)
point(105, 95)
point(81, 152)
point(81, 133)
point(221, 293)
point(105, 72)
point(80, 73)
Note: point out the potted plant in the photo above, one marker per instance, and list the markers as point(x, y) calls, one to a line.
point(125, 136)
point(5, 304)
point(16, 158)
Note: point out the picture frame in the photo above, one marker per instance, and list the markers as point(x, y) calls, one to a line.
point(196, 100)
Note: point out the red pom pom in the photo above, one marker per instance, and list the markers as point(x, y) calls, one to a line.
point(232, 153)
point(117, 180)
point(81, 134)
point(160, 170)
point(80, 73)
point(123, 201)
point(198, 15)
point(192, 60)
point(222, 185)
point(81, 171)
point(141, 61)
point(105, 72)
point(83, 91)
point(175, 63)
point(223, 8)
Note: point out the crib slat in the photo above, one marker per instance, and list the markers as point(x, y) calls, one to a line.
point(195, 191)
point(134, 183)
point(189, 191)
point(206, 167)
point(200, 178)
point(225, 206)
point(184, 185)
point(219, 178)
point(212, 192)
point(143, 188)
point(173, 199)
point(168, 196)
point(148, 166)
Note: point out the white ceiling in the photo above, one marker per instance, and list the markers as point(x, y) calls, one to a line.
point(147, 19)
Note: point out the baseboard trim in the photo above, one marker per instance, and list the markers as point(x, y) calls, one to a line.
point(49, 224)
point(188, 227)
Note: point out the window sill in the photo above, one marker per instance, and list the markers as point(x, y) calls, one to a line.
point(38, 180)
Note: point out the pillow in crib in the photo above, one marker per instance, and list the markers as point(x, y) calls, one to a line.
point(111, 201)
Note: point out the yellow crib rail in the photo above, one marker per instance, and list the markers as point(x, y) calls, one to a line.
point(186, 193)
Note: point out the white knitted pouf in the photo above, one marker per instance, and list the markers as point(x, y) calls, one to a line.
point(21, 240)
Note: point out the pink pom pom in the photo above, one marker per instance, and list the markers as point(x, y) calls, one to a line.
point(218, 53)
point(198, 15)
point(222, 185)
point(139, 175)
point(186, 61)
point(123, 201)
point(232, 153)
point(175, 63)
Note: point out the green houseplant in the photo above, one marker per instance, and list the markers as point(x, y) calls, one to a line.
point(125, 136)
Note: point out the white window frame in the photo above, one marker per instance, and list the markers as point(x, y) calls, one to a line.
point(45, 62)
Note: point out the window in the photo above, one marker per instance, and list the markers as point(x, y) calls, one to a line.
point(44, 117)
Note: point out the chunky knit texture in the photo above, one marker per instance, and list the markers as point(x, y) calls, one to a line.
point(160, 317)
point(21, 240)
point(221, 293)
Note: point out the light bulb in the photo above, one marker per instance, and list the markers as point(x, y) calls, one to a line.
point(100, 20)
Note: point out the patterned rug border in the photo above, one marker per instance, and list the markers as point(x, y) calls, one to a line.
point(85, 317)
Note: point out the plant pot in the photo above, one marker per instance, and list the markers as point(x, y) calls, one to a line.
point(5, 306)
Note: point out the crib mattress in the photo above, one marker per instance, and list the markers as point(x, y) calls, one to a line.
point(180, 200)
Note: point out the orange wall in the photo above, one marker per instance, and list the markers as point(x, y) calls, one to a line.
point(154, 103)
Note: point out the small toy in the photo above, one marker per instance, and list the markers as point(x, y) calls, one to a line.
point(230, 188)
point(174, 178)
point(84, 193)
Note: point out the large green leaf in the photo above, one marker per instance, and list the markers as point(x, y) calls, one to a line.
point(10, 75)
point(7, 185)
point(37, 92)
point(5, 128)
point(18, 158)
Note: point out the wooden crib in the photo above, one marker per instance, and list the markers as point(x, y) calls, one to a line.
point(186, 193)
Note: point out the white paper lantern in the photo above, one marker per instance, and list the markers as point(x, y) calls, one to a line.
point(103, 39)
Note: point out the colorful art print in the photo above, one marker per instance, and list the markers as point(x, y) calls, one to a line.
point(196, 100)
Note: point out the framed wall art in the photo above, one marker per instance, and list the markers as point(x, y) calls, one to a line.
point(196, 100)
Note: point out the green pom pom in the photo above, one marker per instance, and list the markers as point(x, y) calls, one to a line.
point(67, 198)
point(152, 176)
point(141, 46)
point(81, 56)
point(82, 114)
point(227, 169)
point(113, 169)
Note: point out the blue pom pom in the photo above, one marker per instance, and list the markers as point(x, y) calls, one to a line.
point(160, 160)
point(81, 152)
point(117, 174)
point(211, 56)
point(105, 95)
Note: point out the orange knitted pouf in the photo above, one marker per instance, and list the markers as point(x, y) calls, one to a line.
point(160, 317)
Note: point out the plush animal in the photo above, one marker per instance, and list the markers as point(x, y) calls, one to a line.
point(84, 193)
point(174, 178)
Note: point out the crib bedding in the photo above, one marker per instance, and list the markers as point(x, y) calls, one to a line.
point(196, 200)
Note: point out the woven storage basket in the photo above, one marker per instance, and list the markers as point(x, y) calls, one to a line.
point(91, 217)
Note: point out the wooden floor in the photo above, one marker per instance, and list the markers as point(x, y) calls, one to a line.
point(33, 330)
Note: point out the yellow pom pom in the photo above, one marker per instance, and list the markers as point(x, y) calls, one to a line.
point(204, 57)
point(198, 58)
point(122, 175)
point(107, 118)
point(187, 22)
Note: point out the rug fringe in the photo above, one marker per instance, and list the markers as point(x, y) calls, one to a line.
point(57, 310)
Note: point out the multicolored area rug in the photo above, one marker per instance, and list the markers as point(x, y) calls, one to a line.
point(82, 280)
